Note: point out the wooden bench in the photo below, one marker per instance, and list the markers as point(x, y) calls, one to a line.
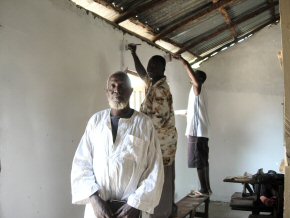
point(240, 202)
point(187, 207)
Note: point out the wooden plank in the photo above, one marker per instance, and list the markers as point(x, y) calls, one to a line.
point(188, 205)
point(285, 25)
point(287, 192)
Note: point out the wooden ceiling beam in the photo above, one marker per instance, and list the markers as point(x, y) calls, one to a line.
point(105, 3)
point(137, 10)
point(196, 15)
point(228, 21)
point(178, 45)
point(236, 40)
point(192, 43)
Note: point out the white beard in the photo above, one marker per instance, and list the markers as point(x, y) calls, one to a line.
point(118, 106)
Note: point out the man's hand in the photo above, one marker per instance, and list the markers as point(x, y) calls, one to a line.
point(180, 58)
point(100, 207)
point(132, 47)
point(177, 56)
point(128, 212)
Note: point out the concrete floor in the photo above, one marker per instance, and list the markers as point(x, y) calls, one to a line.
point(219, 209)
point(222, 210)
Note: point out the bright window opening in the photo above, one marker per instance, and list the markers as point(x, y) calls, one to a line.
point(138, 94)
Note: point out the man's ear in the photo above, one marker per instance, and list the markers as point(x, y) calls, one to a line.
point(164, 67)
point(131, 91)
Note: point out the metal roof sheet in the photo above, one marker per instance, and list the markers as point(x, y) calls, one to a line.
point(196, 29)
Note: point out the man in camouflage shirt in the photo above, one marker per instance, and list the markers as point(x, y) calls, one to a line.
point(158, 105)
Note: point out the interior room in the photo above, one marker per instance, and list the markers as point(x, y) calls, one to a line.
point(55, 58)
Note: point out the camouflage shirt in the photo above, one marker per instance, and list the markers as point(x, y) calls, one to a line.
point(158, 106)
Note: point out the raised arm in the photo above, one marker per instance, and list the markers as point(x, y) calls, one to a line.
point(138, 65)
point(195, 84)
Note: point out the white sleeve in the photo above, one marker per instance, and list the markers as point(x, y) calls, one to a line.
point(83, 183)
point(148, 194)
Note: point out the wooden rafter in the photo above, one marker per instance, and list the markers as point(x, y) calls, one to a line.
point(236, 40)
point(228, 21)
point(192, 43)
point(105, 3)
point(137, 10)
point(178, 45)
point(207, 10)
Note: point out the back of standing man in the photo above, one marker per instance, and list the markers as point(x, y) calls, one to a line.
point(197, 128)
point(158, 106)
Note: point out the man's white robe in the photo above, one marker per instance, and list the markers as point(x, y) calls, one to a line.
point(129, 169)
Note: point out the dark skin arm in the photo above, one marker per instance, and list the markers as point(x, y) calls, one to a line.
point(127, 211)
point(138, 65)
point(100, 207)
point(194, 80)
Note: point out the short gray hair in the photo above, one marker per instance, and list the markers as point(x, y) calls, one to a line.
point(122, 75)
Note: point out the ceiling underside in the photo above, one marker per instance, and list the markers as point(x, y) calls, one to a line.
point(195, 29)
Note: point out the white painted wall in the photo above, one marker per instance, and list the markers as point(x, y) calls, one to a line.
point(54, 61)
point(245, 96)
point(245, 86)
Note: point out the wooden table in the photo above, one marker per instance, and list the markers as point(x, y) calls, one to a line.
point(276, 180)
point(246, 181)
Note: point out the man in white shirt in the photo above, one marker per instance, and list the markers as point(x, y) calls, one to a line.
point(197, 128)
point(118, 159)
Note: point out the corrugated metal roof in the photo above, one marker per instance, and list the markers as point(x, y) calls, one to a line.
point(167, 12)
point(196, 29)
point(213, 44)
point(255, 22)
point(245, 7)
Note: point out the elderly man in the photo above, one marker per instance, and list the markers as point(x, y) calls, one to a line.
point(118, 159)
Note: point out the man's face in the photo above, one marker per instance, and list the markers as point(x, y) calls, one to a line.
point(118, 92)
point(155, 68)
